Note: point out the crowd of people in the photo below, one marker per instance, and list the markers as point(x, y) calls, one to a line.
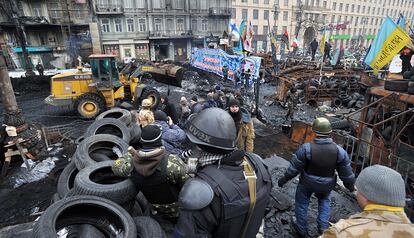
point(196, 166)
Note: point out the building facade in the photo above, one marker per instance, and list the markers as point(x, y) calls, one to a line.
point(159, 29)
point(349, 22)
point(56, 31)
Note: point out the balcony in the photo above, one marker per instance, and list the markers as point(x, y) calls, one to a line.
point(170, 34)
point(219, 11)
point(109, 9)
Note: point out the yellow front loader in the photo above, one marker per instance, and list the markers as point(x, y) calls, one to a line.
point(91, 93)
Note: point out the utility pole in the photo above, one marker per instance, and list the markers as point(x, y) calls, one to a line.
point(274, 57)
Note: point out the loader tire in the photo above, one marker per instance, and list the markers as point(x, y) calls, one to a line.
point(153, 95)
point(77, 210)
point(66, 179)
point(109, 126)
point(99, 180)
point(148, 227)
point(89, 105)
point(396, 85)
point(117, 113)
point(103, 144)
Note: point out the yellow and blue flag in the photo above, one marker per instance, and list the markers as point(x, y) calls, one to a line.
point(322, 42)
point(389, 41)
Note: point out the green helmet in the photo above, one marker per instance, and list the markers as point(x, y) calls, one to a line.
point(321, 126)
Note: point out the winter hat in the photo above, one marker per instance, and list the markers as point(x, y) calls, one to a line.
point(160, 116)
point(151, 136)
point(194, 99)
point(217, 88)
point(183, 101)
point(382, 185)
point(234, 102)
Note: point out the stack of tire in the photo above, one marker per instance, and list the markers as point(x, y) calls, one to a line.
point(409, 75)
point(405, 86)
point(354, 100)
point(91, 201)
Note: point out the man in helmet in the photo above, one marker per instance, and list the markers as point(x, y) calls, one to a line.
point(145, 116)
point(228, 195)
point(316, 163)
point(292, 101)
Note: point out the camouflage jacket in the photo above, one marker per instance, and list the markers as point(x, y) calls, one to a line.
point(373, 224)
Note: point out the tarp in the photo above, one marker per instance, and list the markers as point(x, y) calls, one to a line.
point(213, 60)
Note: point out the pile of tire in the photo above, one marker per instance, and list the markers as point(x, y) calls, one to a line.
point(405, 86)
point(354, 100)
point(409, 75)
point(91, 201)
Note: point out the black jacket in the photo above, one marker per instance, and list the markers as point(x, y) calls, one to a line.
point(225, 215)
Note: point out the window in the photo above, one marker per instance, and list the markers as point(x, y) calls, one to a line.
point(266, 14)
point(194, 25)
point(284, 29)
point(130, 25)
point(317, 3)
point(54, 10)
point(333, 19)
point(179, 4)
point(325, 4)
point(37, 9)
point(233, 13)
point(244, 14)
point(156, 4)
point(255, 14)
point(204, 25)
point(265, 30)
point(255, 30)
point(334, 6)
point(341, 5)
point(376, 22)
point(285, 2)
point(352, 8)
point(363, 9)
point(243, 0)
point(158, 25)
point(275, 16)
point(128, 4)
point(275, 29)
point(356, 21)
point(180, 24)
point(140, 3)
point(78, 11)
point(255, 1)
point(323, 18)
point(118, 25)
point(266, 2)
point(358, 8)
point(105, 25)
point(169, 24)
point(285, 15)
point(347, 7)
point(142, 23)
point(193, 4)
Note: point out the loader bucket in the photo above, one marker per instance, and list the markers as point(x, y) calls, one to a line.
point(174, 78)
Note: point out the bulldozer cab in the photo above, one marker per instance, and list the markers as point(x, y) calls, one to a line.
point(105, 71)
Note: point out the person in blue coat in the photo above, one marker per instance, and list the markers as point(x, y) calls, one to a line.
point(316, 162)
point(172, 134)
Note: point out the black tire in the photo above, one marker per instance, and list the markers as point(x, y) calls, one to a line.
point(148, 228)
point(153, 94)
point(412, 76)
point(146, 207)
point(55, 198)
point(98, 157)
point(351, 103)
point(84, 230)
point(341, 124)
point(109, 126)
point(95, 211)
point(337, 102)
point(411, 90)
point(407, 75)
point(133, 208)
point(99, 180)
point(396, 85)
point(89, 105)
point(410, 84)
point(66, 179)
point(99, 144)
point(117, 113)
point(79, 140)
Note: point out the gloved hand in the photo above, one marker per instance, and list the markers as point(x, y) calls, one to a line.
point(123, 166)
point(281, 182)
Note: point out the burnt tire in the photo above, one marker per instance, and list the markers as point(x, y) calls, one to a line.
point(117, 113)
point(153, 95)
point(341, 124)
point(410, 90)
point(101, 213)
point(89, 105)
point(66, 179)
point(396, 85)
point(99, 180)
point(104, 144)
point(148, 228)
point(109, 126)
